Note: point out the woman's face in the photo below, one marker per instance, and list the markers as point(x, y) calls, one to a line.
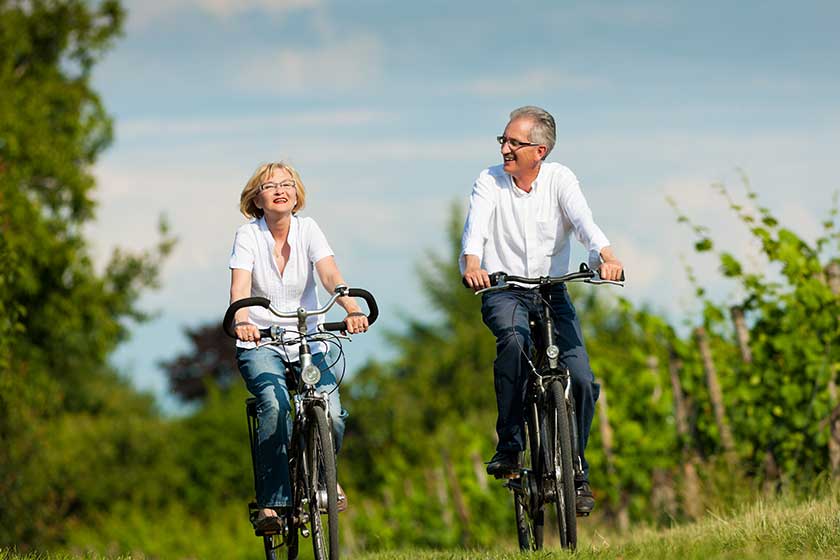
point(277, 194)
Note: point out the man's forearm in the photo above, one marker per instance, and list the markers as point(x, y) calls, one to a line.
point(471, 262)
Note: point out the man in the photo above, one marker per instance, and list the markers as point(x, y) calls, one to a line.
point(521, 215)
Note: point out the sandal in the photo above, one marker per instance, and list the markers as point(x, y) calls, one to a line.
point(342, 499)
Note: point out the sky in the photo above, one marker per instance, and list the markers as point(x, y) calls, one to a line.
point(389, 110)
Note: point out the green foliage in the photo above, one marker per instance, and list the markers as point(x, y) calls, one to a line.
point(67, 422)
point(782, 397)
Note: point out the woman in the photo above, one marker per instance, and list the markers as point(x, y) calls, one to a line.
point(274, 256)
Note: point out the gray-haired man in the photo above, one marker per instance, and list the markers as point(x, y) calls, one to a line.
point(521, 216)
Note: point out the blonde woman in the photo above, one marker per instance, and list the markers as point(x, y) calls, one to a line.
point(276, 256)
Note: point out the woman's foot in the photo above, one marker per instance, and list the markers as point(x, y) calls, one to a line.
point(342, 499)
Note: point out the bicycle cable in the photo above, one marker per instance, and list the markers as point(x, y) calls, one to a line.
point(518, 343)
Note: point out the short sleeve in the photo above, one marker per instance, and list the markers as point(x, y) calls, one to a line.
point(244, 250)
point(317, 246)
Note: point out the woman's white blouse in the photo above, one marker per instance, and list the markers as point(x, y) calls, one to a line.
point(253, 250)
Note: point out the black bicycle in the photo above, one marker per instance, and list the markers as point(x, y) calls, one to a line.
point(551, 458)
point(312, 469)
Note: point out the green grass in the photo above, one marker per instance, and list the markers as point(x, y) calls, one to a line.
point(780, 529)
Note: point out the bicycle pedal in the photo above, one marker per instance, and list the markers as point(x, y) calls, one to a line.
point(583, 513)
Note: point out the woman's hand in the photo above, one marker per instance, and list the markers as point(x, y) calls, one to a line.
point(356, 322)
point(247, 332)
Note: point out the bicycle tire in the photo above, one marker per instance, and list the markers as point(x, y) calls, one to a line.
point(527, 504)
point(559, 461)
point(320, 460)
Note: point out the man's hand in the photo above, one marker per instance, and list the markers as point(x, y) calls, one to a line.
point(611, 268)
point(475, 277)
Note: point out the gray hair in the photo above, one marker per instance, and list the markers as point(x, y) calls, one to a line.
point(544, 130)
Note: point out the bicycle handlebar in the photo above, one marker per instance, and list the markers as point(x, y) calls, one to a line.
point(373, 310)
point(499, 280)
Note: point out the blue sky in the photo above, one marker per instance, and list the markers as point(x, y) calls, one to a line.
point(390, 109)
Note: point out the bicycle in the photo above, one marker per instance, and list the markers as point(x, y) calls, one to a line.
point(312, 469)
point(551, 432)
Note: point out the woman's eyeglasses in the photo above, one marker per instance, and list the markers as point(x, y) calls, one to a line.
point(284, 186)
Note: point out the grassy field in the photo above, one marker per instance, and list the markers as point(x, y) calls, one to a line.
point(782, 529)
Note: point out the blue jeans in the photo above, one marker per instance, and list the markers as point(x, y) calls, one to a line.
point(506, 313)
point(264, 372)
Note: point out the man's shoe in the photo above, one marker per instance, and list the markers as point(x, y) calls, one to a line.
point(584, 502)
point(503, 463)
point(268, 524)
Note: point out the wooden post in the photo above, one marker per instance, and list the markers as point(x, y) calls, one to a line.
point(716, 394)
point(436, 483)
point(622, 516)
point(662, 496)
point(691, 483)
point(742, 334)
point(832, 272)
point(478, 469)
point(458, 497)
point(652, 364)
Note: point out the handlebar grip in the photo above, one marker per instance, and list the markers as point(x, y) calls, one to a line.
point(373, 310)
point(227, 322)
point(497, 278)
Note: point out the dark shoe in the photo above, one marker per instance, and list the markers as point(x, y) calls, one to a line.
point(584, 502)
point(268, 524)
point(503, 463)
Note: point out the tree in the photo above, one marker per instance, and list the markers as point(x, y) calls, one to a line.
point(210, 361)
point(60, 318)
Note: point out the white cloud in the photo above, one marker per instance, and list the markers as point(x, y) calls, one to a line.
point(343, 65)
point(145, 12)
point(531, 82)
point(219, 127)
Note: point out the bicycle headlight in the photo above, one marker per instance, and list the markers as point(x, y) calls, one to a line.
point(310, 374)
point(552, 352)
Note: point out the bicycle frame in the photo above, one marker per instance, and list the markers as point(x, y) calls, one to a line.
point(549, 413)
point(311, 439)
point(543, 374)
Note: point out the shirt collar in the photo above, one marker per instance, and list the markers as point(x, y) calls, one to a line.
point(519, 192)
point(293, 225)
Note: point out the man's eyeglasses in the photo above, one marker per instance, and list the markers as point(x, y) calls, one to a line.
point(284, 186)
point(514, 143)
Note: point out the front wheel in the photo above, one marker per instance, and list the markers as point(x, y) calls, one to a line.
point(321, 486)
point(560, 475)
point(527, 504)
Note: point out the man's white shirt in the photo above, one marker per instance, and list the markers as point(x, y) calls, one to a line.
point(527, 234)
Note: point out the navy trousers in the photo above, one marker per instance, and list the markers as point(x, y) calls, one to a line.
point(506, 313)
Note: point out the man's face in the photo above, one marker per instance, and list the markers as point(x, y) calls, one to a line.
point(524, 158)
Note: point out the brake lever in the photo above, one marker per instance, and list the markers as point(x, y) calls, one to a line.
point(323, 335)
point(492, 289)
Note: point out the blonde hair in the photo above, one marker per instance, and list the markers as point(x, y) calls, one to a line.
point(252, 188)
